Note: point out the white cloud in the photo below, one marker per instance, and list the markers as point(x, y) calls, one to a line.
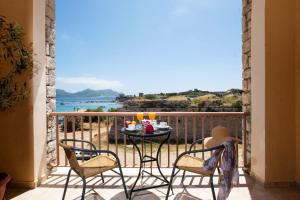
point(88, 82)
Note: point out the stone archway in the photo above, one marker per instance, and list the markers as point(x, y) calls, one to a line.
point(51, 75)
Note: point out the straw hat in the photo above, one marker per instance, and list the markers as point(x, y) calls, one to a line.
point(219, 135)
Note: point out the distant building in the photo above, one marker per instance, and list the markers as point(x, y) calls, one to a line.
point(141, 94)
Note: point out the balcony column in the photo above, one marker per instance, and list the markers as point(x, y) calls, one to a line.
point(258, 128)
point(23, 129)
point(39, 91)
point(275, 91)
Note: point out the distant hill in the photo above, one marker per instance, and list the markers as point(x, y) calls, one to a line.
point(192, 100)
point(88, 93)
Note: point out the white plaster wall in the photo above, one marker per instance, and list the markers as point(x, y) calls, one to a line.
point(258, 151)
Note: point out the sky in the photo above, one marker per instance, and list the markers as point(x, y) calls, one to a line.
point(149, 46)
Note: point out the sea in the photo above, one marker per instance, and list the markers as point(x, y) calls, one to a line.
point(74, 104)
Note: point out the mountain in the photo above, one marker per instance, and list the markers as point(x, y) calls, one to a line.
point(88, 93)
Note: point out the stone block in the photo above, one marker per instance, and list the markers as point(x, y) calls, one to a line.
point(53, 24)
point(246, 108)
point(50, 80)
point(52, 104)
point(249, 17)
point(247, 73)
point(51, 146)
point(245, 60)
point(245, 36)
point(47, 49)
point(246, 46)
point(51, 3)
point(51, 136)
point(48, 22)
point(50, 63)
point(249, 59)
point(244, 24)
point(50, 35)
point(52, 51)
point(51, 72)
point(246, 98)
point(249, 84)
point(245, 85)
point(50, 91)
point(249, 27)
point(50, 12)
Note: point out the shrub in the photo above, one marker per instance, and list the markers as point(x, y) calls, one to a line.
point(94, 118)
point(113, 110)
point(70, 124)
point(151, 96)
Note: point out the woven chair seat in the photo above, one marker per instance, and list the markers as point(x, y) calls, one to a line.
point(97, 165)
point(192, 164)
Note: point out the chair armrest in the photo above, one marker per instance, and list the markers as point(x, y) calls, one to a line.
point(194, 143)
point(198, 151)
point(80, 141)
point(98, 152)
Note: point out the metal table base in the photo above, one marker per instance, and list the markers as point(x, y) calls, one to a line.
point(147, 159)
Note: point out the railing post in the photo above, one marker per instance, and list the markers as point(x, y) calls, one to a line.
point(57, 140)
point(107, 131)
point(177, 132)
point(194, 132)
point(91, 134)
point(245, 140)
point(203, 133)
point(185, 132)
point(169, 122)
point(65, 134)
point(99, 132)
point(124, 138)
point(82, 137)
point(73, 129)
point(116, 135)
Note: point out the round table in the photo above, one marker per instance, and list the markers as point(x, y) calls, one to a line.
point(141, 135)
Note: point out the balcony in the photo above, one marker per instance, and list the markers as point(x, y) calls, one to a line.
point(103, 130)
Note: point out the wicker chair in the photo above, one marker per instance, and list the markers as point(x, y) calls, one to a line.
point(189, 163)
point(97, 164)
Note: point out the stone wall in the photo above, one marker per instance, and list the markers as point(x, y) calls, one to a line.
point(185, 125)
point(173, 106)
point(50, 82)
point(247, 5)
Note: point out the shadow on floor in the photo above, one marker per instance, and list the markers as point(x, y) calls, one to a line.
point(113, 185)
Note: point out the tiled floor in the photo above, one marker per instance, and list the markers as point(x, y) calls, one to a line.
point(197, 188)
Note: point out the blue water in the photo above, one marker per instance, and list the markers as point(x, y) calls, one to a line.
point(74, 104)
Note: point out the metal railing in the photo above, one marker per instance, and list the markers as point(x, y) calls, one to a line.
point(103, 129)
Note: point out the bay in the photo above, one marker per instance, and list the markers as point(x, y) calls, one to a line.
point(72, 104)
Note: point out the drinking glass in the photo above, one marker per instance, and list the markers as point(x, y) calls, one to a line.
point(152, 115)
point(140, 116)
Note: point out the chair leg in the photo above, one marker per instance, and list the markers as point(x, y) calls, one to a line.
point(83, 188)
point(170, 183)
point(102, 177)
point(183, 176)
point(67, 183)
point(212, 187)
point(123, 182)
